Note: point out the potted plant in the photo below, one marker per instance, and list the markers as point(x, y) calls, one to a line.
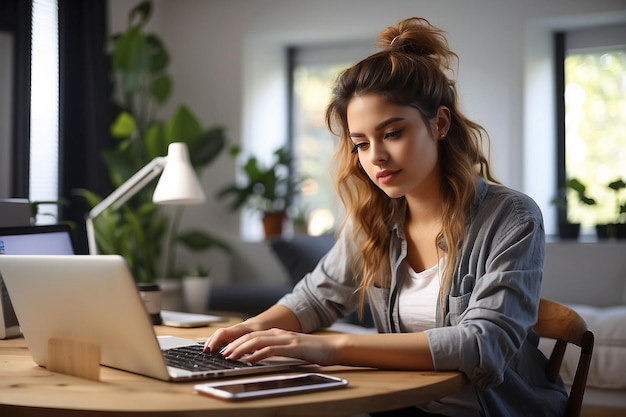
point(617, 229)
point(268, 189)
point(574, 188)
point(141, 232)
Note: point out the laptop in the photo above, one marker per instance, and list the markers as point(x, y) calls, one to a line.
point(29, 240)
point(94, 297)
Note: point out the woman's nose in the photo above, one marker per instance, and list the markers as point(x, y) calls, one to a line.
point(379, 153)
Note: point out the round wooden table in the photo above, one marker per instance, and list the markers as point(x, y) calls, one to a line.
point(29, 390)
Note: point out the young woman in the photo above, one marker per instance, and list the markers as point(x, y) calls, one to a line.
point(449, 261)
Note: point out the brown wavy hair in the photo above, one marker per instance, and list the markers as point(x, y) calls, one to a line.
point(411, 69)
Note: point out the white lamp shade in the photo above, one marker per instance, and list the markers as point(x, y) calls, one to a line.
point(178, 183)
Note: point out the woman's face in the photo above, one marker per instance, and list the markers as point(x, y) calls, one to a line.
point(396, 148)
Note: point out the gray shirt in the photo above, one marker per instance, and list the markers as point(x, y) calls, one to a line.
point(485, 329)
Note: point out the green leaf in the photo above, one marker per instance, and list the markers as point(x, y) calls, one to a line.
point(158, 56)
point(161, 88)
point(576, 185)
point(617, 185)
point(90, 197)
point(183, 126)
point(120, 166)
point(207, 147)
point(234, 151)
point(131, 58)
point(131, 51)
point(198, 241)
point(587, 200)
point(241, 195)
point(155, 142)
point(123, 126)
point(141, 13)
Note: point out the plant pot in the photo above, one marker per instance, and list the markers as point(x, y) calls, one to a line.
point(569, 230)
point(196, 294)
point(611, 231)
point(171, 293)
point(273, 224)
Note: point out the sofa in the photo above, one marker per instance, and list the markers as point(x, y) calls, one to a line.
point(589, 277)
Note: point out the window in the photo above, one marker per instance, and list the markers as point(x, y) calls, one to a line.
point(593, 137)
point(44, 126)
point(313, 72)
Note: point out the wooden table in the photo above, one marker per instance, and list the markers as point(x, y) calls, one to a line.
point(29, 390)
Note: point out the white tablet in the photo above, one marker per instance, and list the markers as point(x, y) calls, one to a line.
point(270, 386)
point(182, 319)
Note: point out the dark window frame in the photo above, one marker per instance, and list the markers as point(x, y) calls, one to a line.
point(16, 18)
point(559, 81)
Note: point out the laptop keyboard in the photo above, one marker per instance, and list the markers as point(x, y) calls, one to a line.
point(192, 358)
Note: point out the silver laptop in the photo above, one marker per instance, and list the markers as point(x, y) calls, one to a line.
point(29, 240)
point(94, 297)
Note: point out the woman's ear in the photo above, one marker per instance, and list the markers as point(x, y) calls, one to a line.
point(443, 122)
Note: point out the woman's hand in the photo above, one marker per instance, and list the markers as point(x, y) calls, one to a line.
point(276, 316)
point(259, 345)
point(226, 335)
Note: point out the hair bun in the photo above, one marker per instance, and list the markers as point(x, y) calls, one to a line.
point(416, 36)
point(398, 43)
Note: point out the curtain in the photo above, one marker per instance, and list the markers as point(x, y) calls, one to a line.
point(84, 107)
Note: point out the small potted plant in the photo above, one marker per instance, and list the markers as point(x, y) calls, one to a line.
point(616, 230)
point(573, 188)
point(269, 189)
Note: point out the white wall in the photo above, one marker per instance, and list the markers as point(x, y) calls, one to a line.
point(227, 63)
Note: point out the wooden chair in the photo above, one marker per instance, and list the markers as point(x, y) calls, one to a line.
point(559, 322)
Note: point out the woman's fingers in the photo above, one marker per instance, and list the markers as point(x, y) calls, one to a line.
point(253, 342)
point(223, 336)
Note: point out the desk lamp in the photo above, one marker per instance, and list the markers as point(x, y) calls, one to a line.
point(178, 185)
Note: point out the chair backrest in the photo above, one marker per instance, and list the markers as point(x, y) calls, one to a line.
point(559, 322)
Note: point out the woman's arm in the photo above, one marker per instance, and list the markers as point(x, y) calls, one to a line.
point(407, 351)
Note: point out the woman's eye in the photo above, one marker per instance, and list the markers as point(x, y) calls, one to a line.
point(358, 146)
point(393, 134)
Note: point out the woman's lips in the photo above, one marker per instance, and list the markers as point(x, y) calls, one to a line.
point(386, 176)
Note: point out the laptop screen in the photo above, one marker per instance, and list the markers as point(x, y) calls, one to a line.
point(37, 240)
point(29, 240)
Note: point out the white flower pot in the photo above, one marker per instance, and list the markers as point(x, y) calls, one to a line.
point(196, 292)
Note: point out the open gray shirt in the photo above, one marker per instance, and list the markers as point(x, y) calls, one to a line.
point(485, 330)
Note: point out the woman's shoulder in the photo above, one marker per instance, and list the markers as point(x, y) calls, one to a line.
point(500, 198)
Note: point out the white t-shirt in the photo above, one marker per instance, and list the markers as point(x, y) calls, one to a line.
point(418, 298)
point(418, 302)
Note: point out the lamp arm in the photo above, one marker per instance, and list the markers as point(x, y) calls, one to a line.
point(122, 194)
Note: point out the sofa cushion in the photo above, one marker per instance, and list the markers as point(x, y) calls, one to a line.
point(301, 253)
point(608, 325)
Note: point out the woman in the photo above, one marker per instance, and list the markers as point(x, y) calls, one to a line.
point(449, 261)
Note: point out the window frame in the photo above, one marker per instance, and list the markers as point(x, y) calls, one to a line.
point(599, 36)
